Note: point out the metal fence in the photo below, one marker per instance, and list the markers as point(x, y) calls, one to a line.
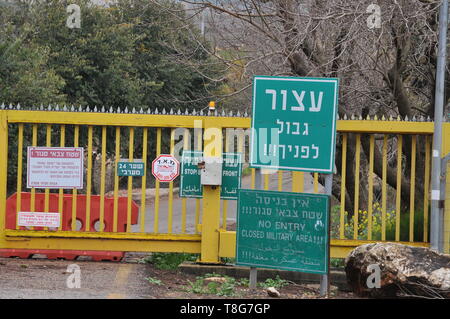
point(383, 167)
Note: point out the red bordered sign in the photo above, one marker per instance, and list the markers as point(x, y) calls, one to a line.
point(165, 168)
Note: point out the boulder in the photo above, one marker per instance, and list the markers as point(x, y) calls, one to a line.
point(272, 292)
point(405, 271)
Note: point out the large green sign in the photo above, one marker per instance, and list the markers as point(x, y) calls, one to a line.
point(190, 185)
point(282, 230)
point(294, 123)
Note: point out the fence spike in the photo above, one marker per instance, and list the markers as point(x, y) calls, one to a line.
point(18, 106)
point(360, 117)
point(2, 106)
point(186, 112)
point(223, 113)
point(391, 118)
point(133, 110)
point(171, 111)
point(179, 112)
point(406, 118)
point(156, 111)
point(126, 110)
point(414, 118)
point(141, 111)
point(383, 118)
point(201, 113)
point(10, 106)
point(163, 111)
point(194, 112)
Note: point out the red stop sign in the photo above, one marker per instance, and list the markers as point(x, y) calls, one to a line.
point(165, 168)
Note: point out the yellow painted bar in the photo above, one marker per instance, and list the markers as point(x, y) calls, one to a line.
point(371, 177)
point(340, 248)
point(446, 245)
point(33, 190)
point(158, 152)
point(76, 136)
point(316, 183)
point(398, 197)
point(225, 202)
point(89, 180)
point(266, 179)
point(48, 144)
point(280, 181)
point(3, 174)
point(170, 203)
point(413, 187)
point(384, 189)
point(19, 171)
point(356, 199)
point(116, 181)
point(144, 178)
point(211, 197)
point(62, 143)
point(132, 120)
point(426, 187)
point(101, 241)
point(197, 200)
point(149, 120)
point(186, 142)
point(343, 176)
point(253, 179)
point(102, 181)
point(298, 182)
point(130, 179)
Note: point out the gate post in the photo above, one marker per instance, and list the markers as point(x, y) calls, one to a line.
point(446, 246)
point(3, 173)
point(212, 138)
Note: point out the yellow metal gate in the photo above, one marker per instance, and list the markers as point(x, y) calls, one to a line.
point(168, 223)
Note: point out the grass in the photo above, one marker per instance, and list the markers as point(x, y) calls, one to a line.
point(154, 281)
point(169, 261)
point(391, 220)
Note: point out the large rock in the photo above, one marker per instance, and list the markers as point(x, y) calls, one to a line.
point(404, 271)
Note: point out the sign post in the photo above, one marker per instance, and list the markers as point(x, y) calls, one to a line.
point(293, 128)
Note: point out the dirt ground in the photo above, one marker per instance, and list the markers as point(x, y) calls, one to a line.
point(47, 279)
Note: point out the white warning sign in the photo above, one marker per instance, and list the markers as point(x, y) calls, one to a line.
point(55, 167)
point(38, 219)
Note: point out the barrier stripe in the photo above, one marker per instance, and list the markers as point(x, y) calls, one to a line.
point(19, 171)
point(356, 198)
point(413, 186)
point(399, 187)
point(384, 189)
point(144, 178)
point(116, 180)
point(102, 181)
point(89, 180)
point(371, 177)
point(130, 178)
point(343, 177)
point(62, 143)
point(76, 137)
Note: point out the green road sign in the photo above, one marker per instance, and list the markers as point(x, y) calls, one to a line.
point(130, 169)
point(282, 230)
point(294, 123)
point(190, 185)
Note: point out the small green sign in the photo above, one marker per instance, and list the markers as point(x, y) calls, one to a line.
point(282, 230)
point(190, 185)
point(130, 169)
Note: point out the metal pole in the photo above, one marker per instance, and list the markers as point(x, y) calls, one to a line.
point(324, 279)
point(253, 271)
point(435, 233)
